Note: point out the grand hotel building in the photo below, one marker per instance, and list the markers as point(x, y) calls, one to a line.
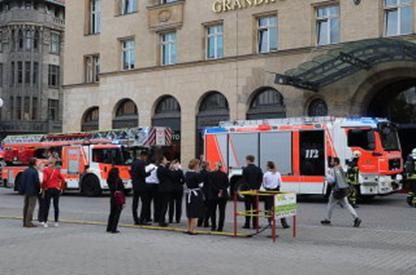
point(190, 64)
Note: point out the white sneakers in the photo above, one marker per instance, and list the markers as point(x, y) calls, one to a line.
point(45, 225)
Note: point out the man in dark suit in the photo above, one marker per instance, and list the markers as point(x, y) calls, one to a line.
point(30, 188)
point(253, 177)
point(138, 177)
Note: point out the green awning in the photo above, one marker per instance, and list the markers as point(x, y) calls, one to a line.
point(345, 60)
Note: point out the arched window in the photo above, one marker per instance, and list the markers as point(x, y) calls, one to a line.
point(90, 119)
point(212, 109)
point(317, 107)
point(126, 115)
point(168, 114)
point(28, 39)
point(266, 103)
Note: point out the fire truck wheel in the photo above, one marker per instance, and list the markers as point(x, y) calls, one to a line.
point(91, 186)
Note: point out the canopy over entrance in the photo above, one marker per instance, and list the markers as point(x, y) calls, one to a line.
point(345, 60)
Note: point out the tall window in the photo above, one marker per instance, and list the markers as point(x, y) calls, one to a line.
point(20, 39)
point(36, 40)
point(327, 25)
point(128, 6)
point(18, 108)
point(92, 68)
point(95, 16)
point(34, 108)
point(19, 72)
point(55, 43)
point(267, 34)
point(11, 108)
point(53, 109)
point(215, 42)
point(53, 76)
point(28, 40)
point(128, 54)
point(35, 72)
point(13, 40)
point(12, 72)
point(168, 48)
point(27, 72)
point(26, 108)
point(398, 17)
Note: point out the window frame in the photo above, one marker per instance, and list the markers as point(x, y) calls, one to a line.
point(215, 36)
point(267, 28)
point(94, 17)
point(170, 45)
point(128, 53)
point(92, 68)
point(53, 71)
point(398, 7)
point(124, 7)
point(328, 18)
point(55, 43)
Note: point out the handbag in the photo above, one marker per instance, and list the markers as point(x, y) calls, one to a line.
point(119, 196)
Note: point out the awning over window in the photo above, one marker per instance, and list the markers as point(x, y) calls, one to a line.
point(345, 60)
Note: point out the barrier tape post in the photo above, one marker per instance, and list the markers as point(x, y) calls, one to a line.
point(274, 220)
point(235, 212)
point(256, 217)
point(294, 226)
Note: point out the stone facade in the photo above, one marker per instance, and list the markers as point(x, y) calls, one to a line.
point(238, 76)
point(31, 104)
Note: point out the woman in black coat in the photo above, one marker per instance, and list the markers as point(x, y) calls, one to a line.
point(166, 177)
point(194, 196)
point(219, 191)
point(114, 184)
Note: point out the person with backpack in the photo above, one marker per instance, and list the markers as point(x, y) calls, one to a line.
point(117, 199)
point(340, 190)
point(53, 185)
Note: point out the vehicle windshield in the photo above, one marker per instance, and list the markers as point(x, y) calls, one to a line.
point(116, 156)
point(389, 138)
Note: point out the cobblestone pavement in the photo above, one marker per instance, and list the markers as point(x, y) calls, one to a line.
point(386, 244)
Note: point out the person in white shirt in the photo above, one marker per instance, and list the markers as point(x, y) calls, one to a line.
point(152, 183)
point(271, 182)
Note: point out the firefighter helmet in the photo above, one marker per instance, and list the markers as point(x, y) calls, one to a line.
point(356, 154)
point(414, 153)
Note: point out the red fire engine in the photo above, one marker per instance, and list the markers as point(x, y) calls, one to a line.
point(300, 147)
point(85, 158)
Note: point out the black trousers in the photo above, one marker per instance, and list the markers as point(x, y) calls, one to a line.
point(51, 194)
point(205, 219)
point(145, 198)
point(41, 206)
point(175, 206)
point(151, 196)
point(219, 204)
point(114, 217)
point(135, 205)
point(250, 204)
point(163, 201)
point(268, 205)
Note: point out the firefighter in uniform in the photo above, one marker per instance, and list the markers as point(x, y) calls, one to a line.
point(411, 178)
point(353, 178)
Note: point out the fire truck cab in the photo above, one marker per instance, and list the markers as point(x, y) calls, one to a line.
point(301, 147)
point(84, 158)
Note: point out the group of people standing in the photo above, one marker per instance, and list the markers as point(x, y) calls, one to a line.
point(161, 183)
point(43, 185)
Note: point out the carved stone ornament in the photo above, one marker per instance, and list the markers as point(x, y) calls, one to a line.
point(164, 15)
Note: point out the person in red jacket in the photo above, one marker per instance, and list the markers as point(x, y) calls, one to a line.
point(52, 185)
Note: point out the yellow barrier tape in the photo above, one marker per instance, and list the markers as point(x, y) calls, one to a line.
point(148, 227)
